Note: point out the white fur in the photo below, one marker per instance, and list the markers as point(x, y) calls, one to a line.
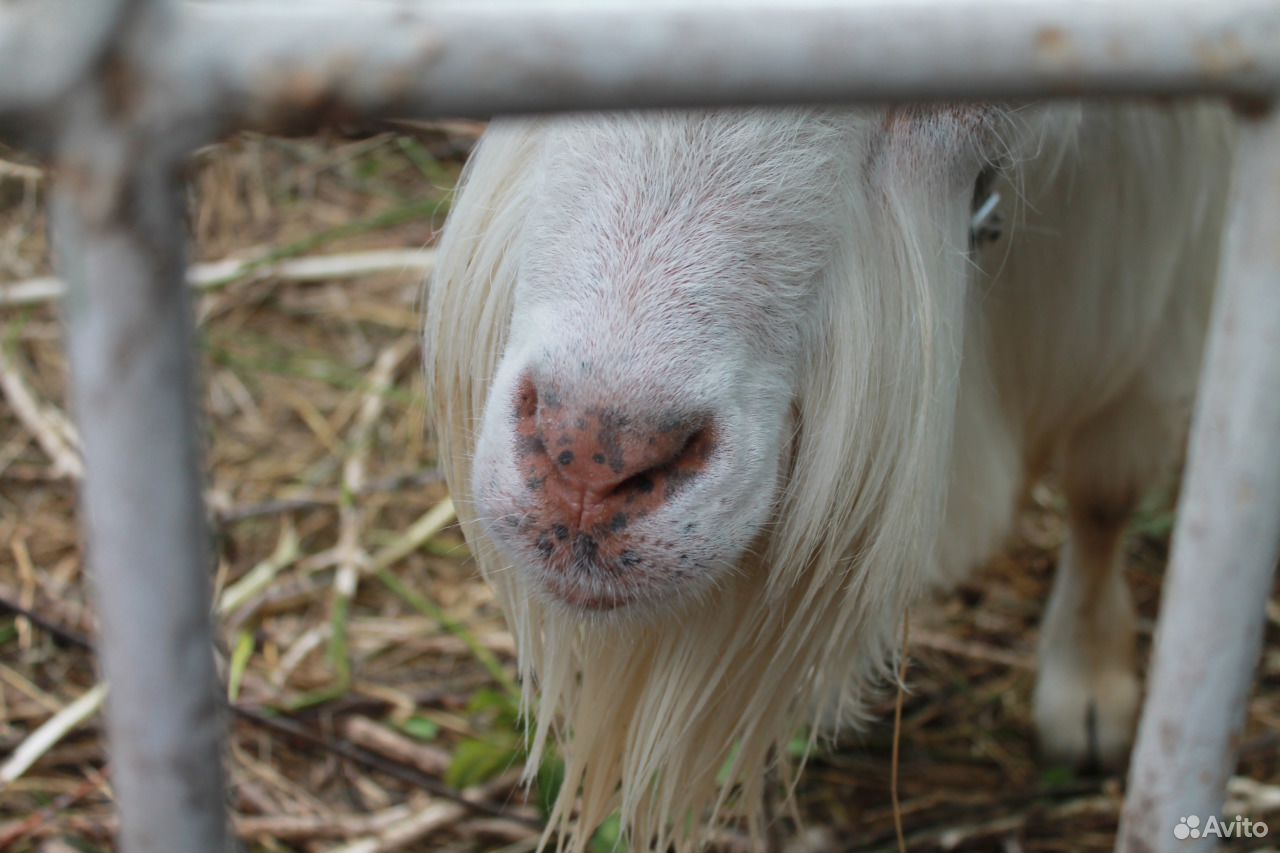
point(881, 396)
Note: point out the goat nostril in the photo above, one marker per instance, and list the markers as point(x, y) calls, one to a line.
point(595, 469)
point(697, 448)
point(688, 460)
point(526, 400)
point(640, 484)
point(693, 453)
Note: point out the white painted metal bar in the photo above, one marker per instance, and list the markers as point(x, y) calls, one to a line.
point(147, 546)
point(1227, 539)
point(119, 210)
point(46, 46)
point(289, 68)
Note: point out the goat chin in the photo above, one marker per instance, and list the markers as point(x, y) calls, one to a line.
point(778, 318)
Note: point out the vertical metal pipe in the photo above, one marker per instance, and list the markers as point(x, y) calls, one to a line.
point(1227, 540)
point(118, 226)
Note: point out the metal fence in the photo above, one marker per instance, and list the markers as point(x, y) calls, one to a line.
point(114, 94)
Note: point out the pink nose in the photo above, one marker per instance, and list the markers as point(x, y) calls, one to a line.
point(598, 467)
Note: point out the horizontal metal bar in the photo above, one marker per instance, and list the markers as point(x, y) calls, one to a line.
point(293, 69)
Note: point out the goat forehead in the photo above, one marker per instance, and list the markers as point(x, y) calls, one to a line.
point(733, 166)
point(681, 210)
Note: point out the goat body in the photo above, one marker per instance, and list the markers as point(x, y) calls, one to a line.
point(721, 394)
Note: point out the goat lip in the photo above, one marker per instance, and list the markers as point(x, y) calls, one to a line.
point(575, 596)
point(602, 604)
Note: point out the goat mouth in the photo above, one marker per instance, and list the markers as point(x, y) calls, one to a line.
point(587, 597)
point(595, 582)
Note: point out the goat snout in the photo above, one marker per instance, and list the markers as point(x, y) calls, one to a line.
point(600, 467)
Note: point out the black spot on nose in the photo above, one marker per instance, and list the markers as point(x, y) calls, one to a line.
point(586, 548)
point(561, 532)
point(566, 458)
point(618, 523)
point(598, 459)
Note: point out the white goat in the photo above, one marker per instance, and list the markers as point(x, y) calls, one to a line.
point(721, 394)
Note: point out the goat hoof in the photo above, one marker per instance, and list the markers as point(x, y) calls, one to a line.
point(1086, 720)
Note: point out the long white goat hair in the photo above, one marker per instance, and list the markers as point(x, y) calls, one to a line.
point(917, 416)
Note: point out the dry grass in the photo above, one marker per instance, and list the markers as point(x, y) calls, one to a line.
point(369, 668)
